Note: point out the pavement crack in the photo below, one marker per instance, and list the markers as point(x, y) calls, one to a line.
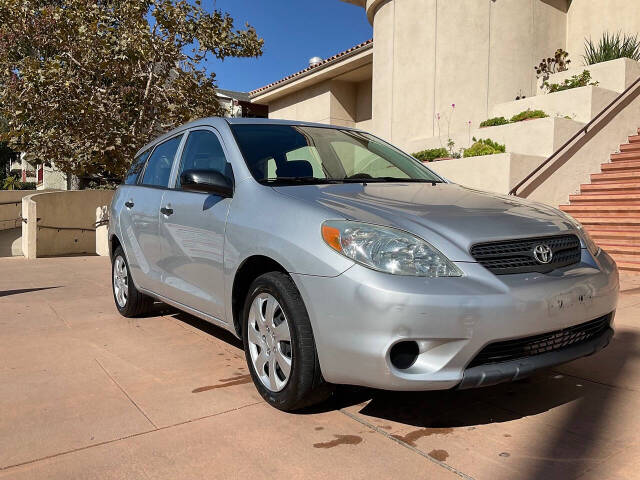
point(604, 384)
point(126, 394)
point(406, 445)
point(59, 317)
point(126, 437)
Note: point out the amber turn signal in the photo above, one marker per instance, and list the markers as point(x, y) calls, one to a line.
point(331, 235)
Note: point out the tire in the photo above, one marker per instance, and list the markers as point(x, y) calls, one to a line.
point(304, 385)
point(133, 303)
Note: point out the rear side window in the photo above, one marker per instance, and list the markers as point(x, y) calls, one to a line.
point(136, 168)
point(159, 165)
point(202, 151)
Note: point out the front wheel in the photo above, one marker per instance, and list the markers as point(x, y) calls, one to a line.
point(279, 344)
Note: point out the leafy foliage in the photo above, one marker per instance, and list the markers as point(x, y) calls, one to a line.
point(558, 63)
point(527, 114)
point(13, 183)
point(611, 47)
point(6, 153)
point(484, 146)
point(581, 80)
point(431, 154)
point(495, 121)
point(85, 83)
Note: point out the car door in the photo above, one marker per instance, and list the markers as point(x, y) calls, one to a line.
point(140, 223)
point(193, 225)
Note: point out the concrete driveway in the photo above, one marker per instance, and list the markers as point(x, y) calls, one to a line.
point(86, 393)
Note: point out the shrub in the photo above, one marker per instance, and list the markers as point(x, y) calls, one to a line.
point(484, 146)
point(581, 80)
point(431, 154)
point(527, 114)
point(611, 47)
point(558, 63)
point(13, 183)
point(495, 121)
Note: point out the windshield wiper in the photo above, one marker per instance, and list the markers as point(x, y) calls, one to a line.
point(298, 181)
point(390, 179)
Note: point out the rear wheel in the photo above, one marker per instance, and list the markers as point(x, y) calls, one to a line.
point(279, 344)
point(129, 301)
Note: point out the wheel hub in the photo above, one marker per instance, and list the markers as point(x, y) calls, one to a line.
point(120, 281)
point(269, 339)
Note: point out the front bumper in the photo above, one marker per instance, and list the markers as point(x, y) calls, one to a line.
point(492, 374)
point(359, 315)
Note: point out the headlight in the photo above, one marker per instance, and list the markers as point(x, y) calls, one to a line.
point(387, 249)
point(591, 245)
point(593, 248)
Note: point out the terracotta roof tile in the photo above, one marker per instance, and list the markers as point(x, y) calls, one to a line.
point(293, 75)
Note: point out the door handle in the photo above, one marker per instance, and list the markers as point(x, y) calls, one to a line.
point(129, 204)
point(166, 211)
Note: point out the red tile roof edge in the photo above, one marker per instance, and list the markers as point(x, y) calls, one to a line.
point(324, 62)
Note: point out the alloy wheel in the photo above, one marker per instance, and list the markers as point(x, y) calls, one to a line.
point(120, 281)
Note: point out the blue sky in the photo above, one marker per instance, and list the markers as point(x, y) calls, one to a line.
point(293, 32)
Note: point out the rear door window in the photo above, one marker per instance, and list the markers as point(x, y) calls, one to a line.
point(159, 165)
point(136, 167)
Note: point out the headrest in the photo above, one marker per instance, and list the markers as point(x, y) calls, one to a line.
point(295, 168)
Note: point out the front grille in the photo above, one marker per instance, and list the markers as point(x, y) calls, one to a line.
point(516, 256)
point(546, 342)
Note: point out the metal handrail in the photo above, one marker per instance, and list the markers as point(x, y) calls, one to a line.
point(582, 131)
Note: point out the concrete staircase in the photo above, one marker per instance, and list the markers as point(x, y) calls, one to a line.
point(609, 206)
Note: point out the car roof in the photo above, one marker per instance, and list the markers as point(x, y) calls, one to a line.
point(222, 121)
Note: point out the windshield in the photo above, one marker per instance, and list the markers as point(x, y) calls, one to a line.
point(290, 154)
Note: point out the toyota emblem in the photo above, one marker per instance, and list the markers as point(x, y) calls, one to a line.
point(542, 253)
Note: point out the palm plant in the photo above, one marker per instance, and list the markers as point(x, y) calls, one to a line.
point(611, 46)
point(11, 183)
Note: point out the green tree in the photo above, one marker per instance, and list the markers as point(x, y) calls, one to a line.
point(85, 83)
point(6, 154)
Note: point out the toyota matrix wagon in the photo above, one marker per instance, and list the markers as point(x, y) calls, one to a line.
point(339, 259)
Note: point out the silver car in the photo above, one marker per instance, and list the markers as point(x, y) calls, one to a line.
point(339, 259)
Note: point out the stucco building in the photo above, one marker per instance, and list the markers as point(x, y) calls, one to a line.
point(427, 55)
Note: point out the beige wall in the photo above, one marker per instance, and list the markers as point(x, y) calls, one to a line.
point(102, 231)
point(430, 54)
point(492, 173)
point(363, 105)
point(311, 104)
point(590, 18)
point(335, 102)
point(10, 221)
point(55, 220)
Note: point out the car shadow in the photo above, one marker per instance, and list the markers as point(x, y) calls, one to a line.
point(162, 309)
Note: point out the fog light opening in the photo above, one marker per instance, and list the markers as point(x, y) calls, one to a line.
point(404, 354)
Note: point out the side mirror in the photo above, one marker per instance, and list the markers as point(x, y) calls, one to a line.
point(206, 181)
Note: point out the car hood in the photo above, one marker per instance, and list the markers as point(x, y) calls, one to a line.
point(449, 216)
